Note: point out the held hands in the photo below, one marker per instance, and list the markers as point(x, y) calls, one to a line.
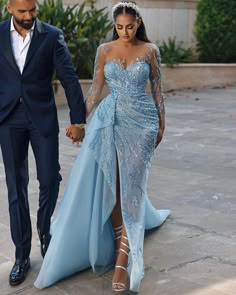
point(75, 133)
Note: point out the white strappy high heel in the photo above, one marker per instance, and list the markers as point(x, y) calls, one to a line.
point(123, 250)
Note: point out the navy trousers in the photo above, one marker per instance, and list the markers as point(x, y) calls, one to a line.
point(15, 135)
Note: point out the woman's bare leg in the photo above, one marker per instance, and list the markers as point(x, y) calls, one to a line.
point(122, 245)
point(116, 216)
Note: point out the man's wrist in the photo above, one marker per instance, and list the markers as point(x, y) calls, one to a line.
point(80, 126)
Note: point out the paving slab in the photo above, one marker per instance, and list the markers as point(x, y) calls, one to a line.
point(194, 174)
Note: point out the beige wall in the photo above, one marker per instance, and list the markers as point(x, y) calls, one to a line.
point(180, 77)
point(166, 19)
point(163, 18)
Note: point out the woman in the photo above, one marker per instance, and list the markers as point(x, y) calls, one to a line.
point(105, 209)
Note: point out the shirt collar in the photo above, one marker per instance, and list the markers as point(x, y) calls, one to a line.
point(12, 28)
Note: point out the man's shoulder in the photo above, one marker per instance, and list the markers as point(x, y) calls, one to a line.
point(48, 27)
point(5, 23)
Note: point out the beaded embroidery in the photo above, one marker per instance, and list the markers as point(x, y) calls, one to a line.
point(151, 56)
point(124, 131)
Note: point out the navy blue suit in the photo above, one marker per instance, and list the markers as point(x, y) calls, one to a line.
point(28, 115)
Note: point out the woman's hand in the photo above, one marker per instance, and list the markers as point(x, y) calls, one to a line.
point(159, 136)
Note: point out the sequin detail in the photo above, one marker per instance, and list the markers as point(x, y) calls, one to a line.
point(128, 120)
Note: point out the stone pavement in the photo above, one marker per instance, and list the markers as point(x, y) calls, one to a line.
point(193, 174)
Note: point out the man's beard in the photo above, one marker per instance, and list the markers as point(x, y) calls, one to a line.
point(27, 25)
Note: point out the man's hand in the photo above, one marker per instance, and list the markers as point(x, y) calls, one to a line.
point(75, 133)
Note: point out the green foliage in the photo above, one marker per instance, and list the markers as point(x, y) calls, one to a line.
point(4, 15)
point(173, 53)
point(84, 28)
point(215, 30)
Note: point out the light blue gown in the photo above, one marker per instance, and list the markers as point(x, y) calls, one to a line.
point(122, 132)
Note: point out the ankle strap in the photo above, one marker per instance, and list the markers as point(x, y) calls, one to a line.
point(126, 245)
point(117, 228)
point(122, 250)
point(117, 232)
point(122, 267)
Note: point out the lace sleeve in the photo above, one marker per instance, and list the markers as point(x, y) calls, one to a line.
point(95, 90)
point(155, 80)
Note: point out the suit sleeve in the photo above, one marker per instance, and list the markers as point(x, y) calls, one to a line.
point(66, 73)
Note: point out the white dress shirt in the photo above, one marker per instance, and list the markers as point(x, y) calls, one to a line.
point(20, 45)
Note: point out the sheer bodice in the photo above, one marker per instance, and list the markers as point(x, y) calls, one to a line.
point(120, 74)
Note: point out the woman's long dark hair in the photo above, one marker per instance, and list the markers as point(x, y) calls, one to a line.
point(141, 31)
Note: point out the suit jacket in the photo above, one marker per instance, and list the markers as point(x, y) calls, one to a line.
point(47, 53)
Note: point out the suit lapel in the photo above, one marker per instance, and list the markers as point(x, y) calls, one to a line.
point(5, 41)
point(37, 39)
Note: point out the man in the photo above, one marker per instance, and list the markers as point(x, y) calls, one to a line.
point(30, 52)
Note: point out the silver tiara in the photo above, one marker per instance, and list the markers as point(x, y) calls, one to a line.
point(126, 4)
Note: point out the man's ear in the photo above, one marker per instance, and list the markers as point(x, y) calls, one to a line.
point(9, 8)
